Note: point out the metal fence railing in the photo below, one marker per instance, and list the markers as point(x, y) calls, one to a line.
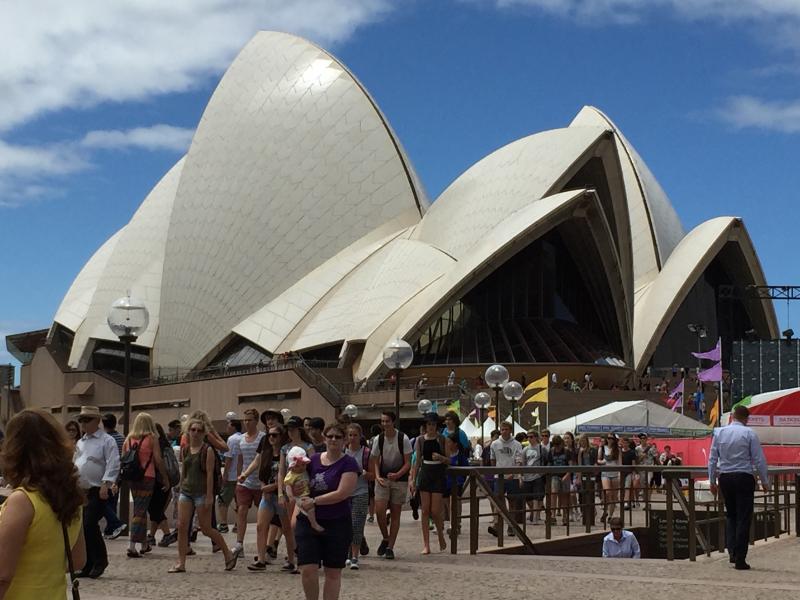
point(682, 515)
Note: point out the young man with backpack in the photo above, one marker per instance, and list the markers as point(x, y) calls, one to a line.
point(391, 461)
point(248, 492)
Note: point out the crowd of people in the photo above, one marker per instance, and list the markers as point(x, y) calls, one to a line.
point(567, 493)
point(313, 485)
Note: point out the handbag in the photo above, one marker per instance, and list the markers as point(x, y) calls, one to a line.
point(76, 594)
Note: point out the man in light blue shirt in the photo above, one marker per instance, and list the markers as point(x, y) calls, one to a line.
point(620, 543)
point(735, 454)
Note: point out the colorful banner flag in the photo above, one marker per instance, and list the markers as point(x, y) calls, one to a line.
point(676, 397)
point(713, 354)
point(712, 374)
point(713, 415)
point(535, 416)
point(540, 396)
point(539, 384)
point(455, 406)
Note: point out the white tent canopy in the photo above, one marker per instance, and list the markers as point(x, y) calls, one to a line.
point(632, 417)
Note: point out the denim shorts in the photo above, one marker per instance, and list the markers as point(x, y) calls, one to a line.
point(270, 503)
point(197, 500)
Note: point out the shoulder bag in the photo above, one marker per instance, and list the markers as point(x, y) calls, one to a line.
point(76, 594)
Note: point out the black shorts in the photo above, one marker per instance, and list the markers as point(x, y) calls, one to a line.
point(533, 490)
point(329, 547)
point(432, 478)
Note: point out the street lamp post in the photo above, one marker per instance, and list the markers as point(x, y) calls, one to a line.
point(424, 407)
point(700, 331)
point(397, 357)
point(127, 319)
point(482, 401)
point(496, 377)
point(513, 392)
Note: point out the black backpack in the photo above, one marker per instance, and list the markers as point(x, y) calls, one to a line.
point(381, 438)
point(130, 468)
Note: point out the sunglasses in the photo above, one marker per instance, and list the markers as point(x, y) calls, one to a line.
point(334, 437)
point(274, 434)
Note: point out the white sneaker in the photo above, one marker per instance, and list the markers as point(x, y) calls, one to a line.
point(348, 562)
point(353, 564)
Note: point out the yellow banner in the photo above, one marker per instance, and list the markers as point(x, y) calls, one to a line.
point(540, 396)
point(538, 384)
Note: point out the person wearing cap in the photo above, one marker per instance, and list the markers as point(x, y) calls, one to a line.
point(297, 439)
point(735, 455)
point(98, 462)
point(428, 474)
point(230, 471)
point(270, 418)
point(298, 486)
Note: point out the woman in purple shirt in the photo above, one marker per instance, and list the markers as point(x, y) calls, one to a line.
point(333, 477)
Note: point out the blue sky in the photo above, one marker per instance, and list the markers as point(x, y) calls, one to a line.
point(100, 100)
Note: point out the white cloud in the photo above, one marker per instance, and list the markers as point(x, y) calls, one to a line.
point(749, 112)
point(30, 172)
point(627, 11)
point(75, 55)
point(157, 137)
point(60, 54)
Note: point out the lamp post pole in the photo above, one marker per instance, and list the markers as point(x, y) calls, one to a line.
point(397, 357)
point(127, 319)
point(127, 340)
point(397, 373)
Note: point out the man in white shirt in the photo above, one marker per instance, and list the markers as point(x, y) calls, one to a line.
point(230, 471)
point(505, 452)
point(620, 543)
point(97, 461)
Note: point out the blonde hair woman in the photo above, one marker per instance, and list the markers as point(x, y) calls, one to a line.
point(197, 491)
point(144, 439)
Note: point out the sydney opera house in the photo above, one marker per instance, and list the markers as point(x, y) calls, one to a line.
point(296, 225)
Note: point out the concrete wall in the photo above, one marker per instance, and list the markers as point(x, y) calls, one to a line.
point(44, 385)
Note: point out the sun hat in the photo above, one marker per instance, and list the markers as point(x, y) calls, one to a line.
point(297, 455)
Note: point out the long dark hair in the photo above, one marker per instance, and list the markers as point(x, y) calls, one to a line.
point(70, 424)
point(37, 455)
point(268, 454)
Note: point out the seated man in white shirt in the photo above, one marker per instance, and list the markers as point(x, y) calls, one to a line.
point(620, 543)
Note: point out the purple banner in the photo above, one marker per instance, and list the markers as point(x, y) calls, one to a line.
point(713, 354)
point(712, 374)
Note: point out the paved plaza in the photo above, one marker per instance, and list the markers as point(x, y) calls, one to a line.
point(775, 575)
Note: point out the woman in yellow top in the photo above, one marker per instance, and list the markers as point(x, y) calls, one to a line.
point(37, 461)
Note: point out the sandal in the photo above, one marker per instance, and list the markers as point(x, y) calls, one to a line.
point(190, 552)
point(177, 570)
point(146, 549)
point(133, 554)
point(257, 566)
point(230, 565)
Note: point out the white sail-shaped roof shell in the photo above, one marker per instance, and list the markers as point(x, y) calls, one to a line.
point(291, 163)
point(296, 221)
